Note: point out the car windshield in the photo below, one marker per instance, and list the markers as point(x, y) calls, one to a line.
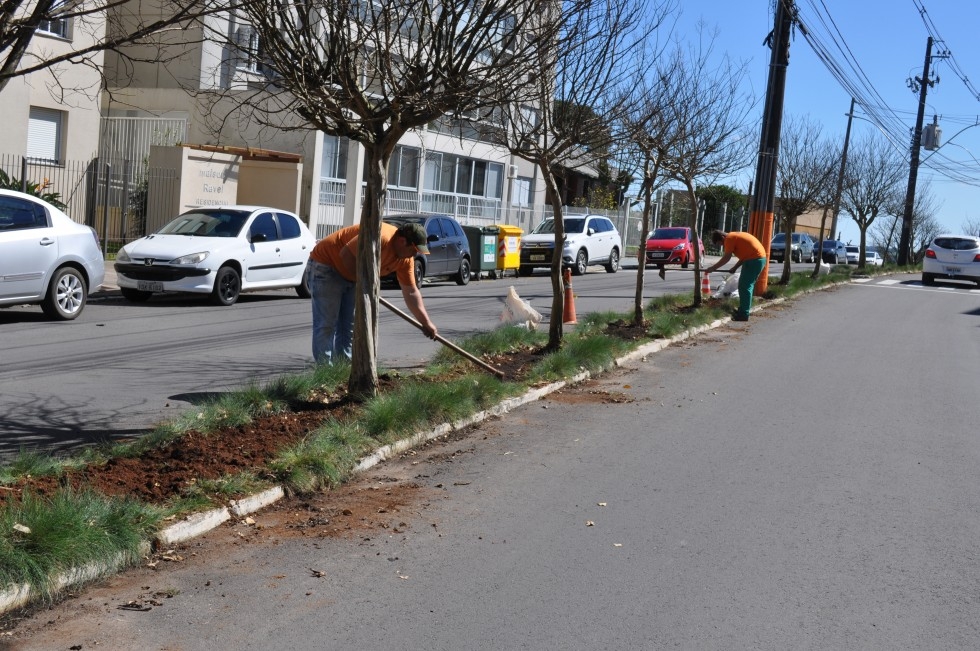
point(852, 249)
point(668, 234)
point(830, 244)
point(210, 223)
point(575, 225)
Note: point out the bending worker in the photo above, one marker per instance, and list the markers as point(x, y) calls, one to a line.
point(751, 258)
point(333, 274)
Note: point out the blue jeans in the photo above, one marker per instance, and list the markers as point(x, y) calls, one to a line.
point(333, 313)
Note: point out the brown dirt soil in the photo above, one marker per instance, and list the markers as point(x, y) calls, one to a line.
point(164, 473)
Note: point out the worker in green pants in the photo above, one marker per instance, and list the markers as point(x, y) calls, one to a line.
point(751, 258)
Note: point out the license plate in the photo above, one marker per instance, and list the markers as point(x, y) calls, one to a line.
point(149, 286)
point(657, 255)
point(952, 270)
point(537, 258)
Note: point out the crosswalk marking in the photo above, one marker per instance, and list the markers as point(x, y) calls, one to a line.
point(912, 284)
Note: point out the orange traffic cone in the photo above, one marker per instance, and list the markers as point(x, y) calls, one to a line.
point(568, 313)
point(705, 284)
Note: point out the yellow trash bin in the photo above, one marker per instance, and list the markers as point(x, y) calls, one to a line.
point(508, 248)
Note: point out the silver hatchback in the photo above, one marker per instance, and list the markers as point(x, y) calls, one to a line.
point(952, 257)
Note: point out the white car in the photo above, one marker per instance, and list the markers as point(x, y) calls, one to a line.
point(45, 257)
point(589, 240)
point(853, 253)
point(873, 258)
point(953, 257)
point(220, 250)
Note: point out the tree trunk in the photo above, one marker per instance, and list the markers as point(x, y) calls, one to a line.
point(363, 381)
point(556, 324)
point(641, 254)
point(693, 225)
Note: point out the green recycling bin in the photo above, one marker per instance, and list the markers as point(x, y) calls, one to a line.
point(483, 249)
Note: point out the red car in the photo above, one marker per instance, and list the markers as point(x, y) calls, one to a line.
point(672, 245)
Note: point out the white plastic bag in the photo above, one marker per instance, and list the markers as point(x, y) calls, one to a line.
point(729, 288)
point(824, 269)
point(519, 312)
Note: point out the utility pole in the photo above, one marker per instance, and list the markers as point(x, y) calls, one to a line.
point(839, 190)
point(763, 201)
point(923, 83)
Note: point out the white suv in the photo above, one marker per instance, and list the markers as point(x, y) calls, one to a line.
point(589, 240)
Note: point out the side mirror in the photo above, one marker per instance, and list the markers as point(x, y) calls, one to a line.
point(591, 231)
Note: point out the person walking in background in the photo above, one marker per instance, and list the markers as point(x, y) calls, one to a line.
point(333, 268)
point(751, 258)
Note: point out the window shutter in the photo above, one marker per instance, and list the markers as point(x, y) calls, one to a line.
point(44, 134)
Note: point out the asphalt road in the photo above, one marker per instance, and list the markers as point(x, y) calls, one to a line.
point(122, 368)
point(806, 480)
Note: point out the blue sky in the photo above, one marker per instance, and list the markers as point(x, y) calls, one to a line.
point(878, 45)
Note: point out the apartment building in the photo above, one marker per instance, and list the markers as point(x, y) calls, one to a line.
point(449, 166)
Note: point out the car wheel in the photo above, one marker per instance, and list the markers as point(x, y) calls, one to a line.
point(525, 270)
point(797, 257)
point(463, 276)
point(419, 272)
point(581, 263)
point(613, 265)
point(135, 295)
point(928, 279)
point(227, 287)
point(66, 296)
point(687, 261)
point(305, 288)
point(835, 259)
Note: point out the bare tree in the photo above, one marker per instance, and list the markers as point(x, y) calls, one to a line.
point(373, 71)
point(871, 184)
point(711, 138)
point(94, 27)
point(650, 132)
point(971, 226)
point(593, 62)
point(806, 168)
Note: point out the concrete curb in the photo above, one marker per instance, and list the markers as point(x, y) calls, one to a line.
point(197, 524)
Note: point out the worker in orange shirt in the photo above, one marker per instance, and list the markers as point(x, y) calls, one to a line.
point(751, 258)
point(332, 269)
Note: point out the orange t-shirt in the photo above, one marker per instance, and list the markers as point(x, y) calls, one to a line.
point(327, 251)
point(744, 246)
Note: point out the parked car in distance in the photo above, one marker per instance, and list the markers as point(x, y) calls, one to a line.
point(221, 251)
point(449, 249)
point(952, 257)
point(872, 258)
point(589, 240)
point(46, 258)
point(801, 247)
point(832, 251)
point(672, 245)
point(853, 253)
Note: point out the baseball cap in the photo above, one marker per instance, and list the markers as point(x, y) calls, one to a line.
point(415, 234)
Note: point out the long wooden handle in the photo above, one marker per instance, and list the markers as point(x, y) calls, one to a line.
point(473, 358)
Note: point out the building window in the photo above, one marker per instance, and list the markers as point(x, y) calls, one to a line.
point(44, 132)
point(249, 49)
point(465, 176)
point(403, 168)
point(333, 161)
point(522, 191)
point(54, 26)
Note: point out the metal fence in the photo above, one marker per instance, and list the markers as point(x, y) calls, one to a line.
point(111, 198)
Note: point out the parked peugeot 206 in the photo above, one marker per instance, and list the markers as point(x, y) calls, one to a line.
point(589, 240)
point(46, 258)
point(672, 245)
point(449, 249)
point(952, 257)
point(221, 251)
